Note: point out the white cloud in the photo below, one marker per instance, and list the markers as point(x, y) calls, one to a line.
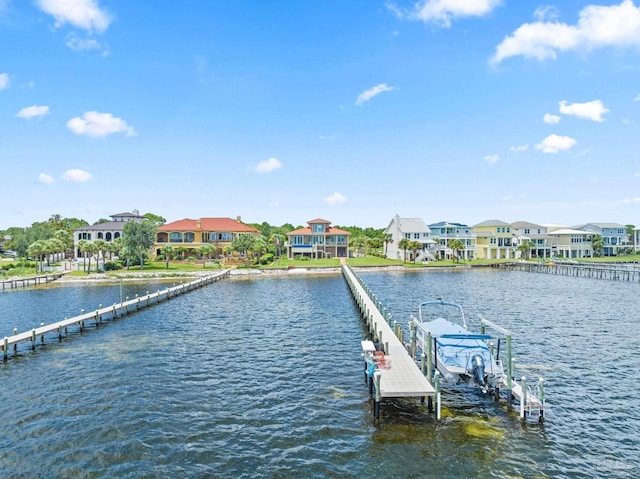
point(519, 148)
point(45, 179)
point(637, 98)
point(77, 176)
point(268, 165)
point(84, 14)
point(591, 110)
point(555, 143)
point(632, 200)
point(32, 111)
point(551, 119)
point(4, 81)
point(546, 12)
point(491, 159)
point(96, 125)
point(442, 12)
point(78, 44)
point(335, 199)
point(598, 27)
point(367, 95)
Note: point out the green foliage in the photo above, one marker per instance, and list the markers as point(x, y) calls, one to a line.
point(138, 238)
point(112, 266)
point(266, 258)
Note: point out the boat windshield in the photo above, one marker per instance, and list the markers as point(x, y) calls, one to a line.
point(430, 310)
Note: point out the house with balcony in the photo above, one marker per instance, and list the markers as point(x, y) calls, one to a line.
point(318, 240)
point(444, 231)
point(570, 242)
point(190, 234)
point(544, 246)
point(412, 229)
point(494, 240)
point(636, 239)
point(107, 231)
point(614, 236)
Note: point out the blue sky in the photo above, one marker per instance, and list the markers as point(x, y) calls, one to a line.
point(351, 111)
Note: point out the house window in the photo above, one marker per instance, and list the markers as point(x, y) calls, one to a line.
point(297, 240)
point(318, 228)
point(493, 241)
point(175, 237)
point(407, 235)
point(317, 239)
point(416, 235)
point(527, 231)
point(189, 237)
point(99, 235)
point(116, 235)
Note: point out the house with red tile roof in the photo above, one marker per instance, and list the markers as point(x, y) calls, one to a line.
point(318, 240)
point(191, 234)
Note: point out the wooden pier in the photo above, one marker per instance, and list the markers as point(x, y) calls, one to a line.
point(117, 310)
point(30, 281)
point(396, 374)
point(624, 272)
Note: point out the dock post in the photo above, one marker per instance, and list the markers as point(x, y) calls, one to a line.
point(541, 397)
point(414, 340)
point(33, 339)
point(148, 299)
point(429, 358)
point(42, 336)
point(510, 370)
point(376, 402)
point(15, 345)
point(523, 397)
point(5, 348)
point(438, 402)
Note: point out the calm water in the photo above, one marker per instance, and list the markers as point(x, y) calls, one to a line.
point(263, 378)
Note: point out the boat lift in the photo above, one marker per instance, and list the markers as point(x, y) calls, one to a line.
point(529, 401)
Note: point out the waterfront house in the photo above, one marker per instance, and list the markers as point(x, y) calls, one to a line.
point(318, 240)
point(107, 231)
point(444, 231)
point(614, 236)
point(494, 240)
point(571, 243)
point(636, 238)
point(413, 229)
point(190, 234)
point(543, 243)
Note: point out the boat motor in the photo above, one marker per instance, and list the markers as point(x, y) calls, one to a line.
point(477, 368)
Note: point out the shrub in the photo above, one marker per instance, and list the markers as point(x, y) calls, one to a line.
point(190, 258)
point(266, 258)
point(112, 266)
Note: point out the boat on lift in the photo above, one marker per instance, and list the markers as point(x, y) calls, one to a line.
point(460, 355)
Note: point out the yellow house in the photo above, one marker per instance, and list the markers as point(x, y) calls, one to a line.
point(494, 240)
point(190, 234)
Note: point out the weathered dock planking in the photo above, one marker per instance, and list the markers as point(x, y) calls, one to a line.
point(401, 376)
point(30, 281)
point(117, 310)
point(625, 272)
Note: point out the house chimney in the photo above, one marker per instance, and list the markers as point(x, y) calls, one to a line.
point(239, 219)
point(198, 224)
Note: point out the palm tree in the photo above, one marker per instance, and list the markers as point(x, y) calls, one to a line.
point(37, 250)
point(92, 249)
point(597, 243)
point(387, 238)
point(525, 248)
point(404, 244)
point(180, 250)
point(82, 244)
point(456, 245)
point(167, 251)
point(101, 247)
point(415, 246)
point(204, 250)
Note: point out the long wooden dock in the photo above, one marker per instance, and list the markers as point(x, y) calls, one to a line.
point(620, 272)
point(400, 376)
point(30, 281)
point(117, 310)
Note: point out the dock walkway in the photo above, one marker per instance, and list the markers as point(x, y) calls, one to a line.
point(401, 376)
point(30, 281)
point(117, 310)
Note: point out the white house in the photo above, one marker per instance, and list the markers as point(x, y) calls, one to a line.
point(413, 229)
point(614, 236)
point(444, 231)
point(544, 244)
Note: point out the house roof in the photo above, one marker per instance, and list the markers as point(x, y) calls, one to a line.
point(568, 231)
point(208, 224)
point(318, 220)
point(444, 224)
point(106, 226)
point(127, 215)
point(492, 223)
point(525, 224)
point(602, 225)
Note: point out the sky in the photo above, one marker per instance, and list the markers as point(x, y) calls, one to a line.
point(348, 110)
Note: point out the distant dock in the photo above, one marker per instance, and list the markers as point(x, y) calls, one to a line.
point(95, 318)
point(30, 281)
point(620, 272)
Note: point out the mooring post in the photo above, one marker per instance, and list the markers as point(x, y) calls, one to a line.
point(438, 402)
point(510, 370)
point(5, 348)
point(414, 340)
point(33, 338)
point(81, 323)
point(42, 335)
point(523, 396)
point(15, 345)
point(429, 358)
point(376, 405)
point(148, 299)
point(541, 397)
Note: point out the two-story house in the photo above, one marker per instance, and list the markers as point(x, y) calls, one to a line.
point(543, 244)
point(190, 234)
point(636, 238)
point(412, 229)
point(614, 236)
point(445, 231)
point(107, 231)
point(571, 243)
point(318, 240)
point(494, 240)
